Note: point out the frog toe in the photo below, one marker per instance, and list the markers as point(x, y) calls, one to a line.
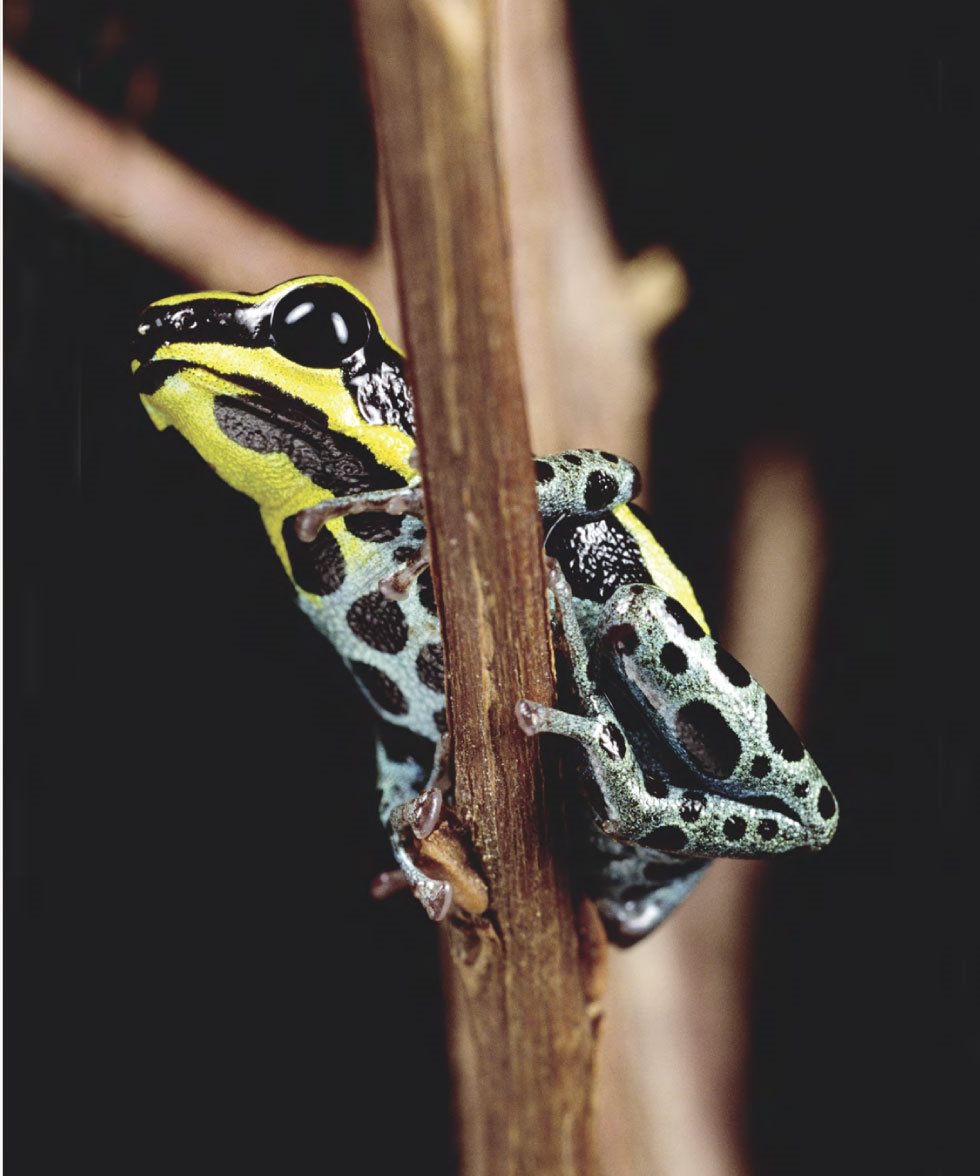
point(435, 896)
point(387, 883)
point(396, 585)
point(426, 811)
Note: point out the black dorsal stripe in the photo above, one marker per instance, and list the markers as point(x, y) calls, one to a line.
point(271, 421)
point(200, 320)
point(597, 555)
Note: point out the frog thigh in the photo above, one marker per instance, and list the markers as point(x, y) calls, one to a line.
point(673, 773)
point(623, 805)
point(702, 722)
point(583, 482)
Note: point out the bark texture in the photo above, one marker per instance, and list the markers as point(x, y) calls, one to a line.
point(523, 986)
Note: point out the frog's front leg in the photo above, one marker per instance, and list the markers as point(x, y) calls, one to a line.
point(410, 808)
point(403, 500)
point(396, 584)
point(573, 482)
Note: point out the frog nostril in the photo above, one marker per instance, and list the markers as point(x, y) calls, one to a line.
point(145, 342)
point(200, 320)
point(156, 329)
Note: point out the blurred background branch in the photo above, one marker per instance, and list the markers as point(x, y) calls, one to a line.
point(137, 191)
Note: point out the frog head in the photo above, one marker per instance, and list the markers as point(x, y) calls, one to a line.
point(291, 396)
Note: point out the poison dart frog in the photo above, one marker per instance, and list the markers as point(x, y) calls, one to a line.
point(298, 398)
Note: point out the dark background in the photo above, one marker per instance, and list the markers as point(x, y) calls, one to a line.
point(193, 963)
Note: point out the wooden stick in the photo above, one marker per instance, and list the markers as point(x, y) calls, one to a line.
point(524, 1018)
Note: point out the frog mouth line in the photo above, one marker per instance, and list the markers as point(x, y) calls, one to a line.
point(152, 374)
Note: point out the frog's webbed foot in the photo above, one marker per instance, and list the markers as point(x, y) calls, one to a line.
point(619, 809)
point(408, 499)
point(435, 894)
point(403, 500)
point(427, 836)
point(623, 802)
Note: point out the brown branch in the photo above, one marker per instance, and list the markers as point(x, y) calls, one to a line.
point(524, 1021)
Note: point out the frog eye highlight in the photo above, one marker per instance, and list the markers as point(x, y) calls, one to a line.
point(319, 326)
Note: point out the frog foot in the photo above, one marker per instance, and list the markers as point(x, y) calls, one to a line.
point(435, 895)
point(418, 819)
point(422, 814)
point(528, 717)
point(396, 585)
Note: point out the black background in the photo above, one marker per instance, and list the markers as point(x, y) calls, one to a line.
point(196, 979)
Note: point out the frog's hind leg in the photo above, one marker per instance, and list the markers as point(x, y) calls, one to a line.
point(635, 888)
point(747, 787)
point(583, 482)
point(648, 791)
point(626, 807)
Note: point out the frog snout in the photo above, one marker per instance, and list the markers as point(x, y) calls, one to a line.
point(153, 363)
point(158, 327)
point(197, 319)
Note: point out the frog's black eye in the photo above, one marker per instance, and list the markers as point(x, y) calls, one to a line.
point(319, 326)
